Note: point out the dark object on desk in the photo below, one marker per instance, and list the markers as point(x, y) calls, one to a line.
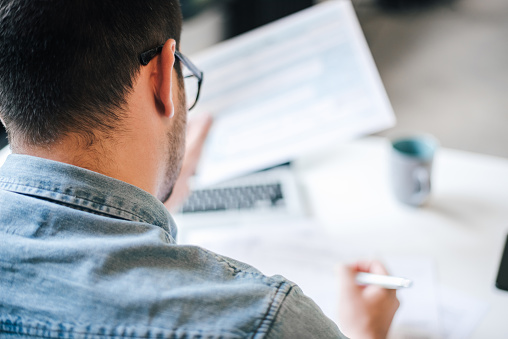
point(502, 275)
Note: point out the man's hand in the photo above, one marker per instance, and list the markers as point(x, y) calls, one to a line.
point(366, 312)
point(197, 131)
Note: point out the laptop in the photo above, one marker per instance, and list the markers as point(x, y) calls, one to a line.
point(261, 197)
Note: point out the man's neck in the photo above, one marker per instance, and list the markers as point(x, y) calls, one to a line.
point(119, 159)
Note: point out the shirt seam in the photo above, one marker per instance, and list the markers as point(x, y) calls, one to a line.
point(4, 183)
point(272, 306)
point(76, 207)
point(237, 271)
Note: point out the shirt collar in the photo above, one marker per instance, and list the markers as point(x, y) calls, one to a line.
point(84, 189)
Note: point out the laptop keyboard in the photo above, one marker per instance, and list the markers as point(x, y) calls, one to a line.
point(234, 198)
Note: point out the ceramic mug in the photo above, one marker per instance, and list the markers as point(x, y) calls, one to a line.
point(411, 168)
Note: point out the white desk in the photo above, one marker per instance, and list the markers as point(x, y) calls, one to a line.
point(463, 228)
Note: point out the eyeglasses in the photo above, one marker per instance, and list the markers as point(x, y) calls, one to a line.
point(192, 76)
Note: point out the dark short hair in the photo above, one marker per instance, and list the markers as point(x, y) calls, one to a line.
point(67, 66)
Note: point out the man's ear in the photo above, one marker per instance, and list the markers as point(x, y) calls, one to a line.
point(165, 83)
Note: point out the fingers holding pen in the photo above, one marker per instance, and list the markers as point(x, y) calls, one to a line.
point(365, 311)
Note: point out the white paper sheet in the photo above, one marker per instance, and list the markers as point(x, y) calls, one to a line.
point(296, 250)
point(289, 88)
point(460, 313)
point(418, 315)
point(302, 252)
point(305, 254)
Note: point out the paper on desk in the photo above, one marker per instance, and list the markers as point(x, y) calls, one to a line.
point(460, 313)
point(295, 250)
point(418, 315)
point(305, 254)
point(302, 252)
point(429, 310)
point(289, 88)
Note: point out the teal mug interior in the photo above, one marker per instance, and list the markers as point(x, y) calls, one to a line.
point(421, 148)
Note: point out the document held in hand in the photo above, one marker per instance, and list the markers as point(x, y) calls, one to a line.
point(287, 89)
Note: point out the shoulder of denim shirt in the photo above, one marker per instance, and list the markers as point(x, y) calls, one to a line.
point(216, 297)
point(83, 189)
point(223, 298)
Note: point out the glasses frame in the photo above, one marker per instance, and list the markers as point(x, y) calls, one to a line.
point(146, 57)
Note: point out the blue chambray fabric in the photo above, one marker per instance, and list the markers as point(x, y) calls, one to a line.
point(83, 255)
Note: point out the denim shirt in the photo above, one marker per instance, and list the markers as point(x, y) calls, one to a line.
point(83, 255)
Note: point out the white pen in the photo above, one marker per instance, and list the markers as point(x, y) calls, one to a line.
point(385, 281)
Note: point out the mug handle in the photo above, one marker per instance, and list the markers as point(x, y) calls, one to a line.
point(423, 181)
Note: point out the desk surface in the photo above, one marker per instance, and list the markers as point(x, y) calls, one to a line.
point(463, 227)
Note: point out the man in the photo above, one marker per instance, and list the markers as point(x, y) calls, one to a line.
point(92, 96)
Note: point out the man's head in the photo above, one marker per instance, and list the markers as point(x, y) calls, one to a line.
point(67, 66)
point(73, 89)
